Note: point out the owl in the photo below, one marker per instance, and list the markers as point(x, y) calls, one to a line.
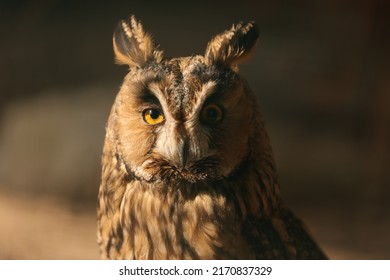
point(187, 167)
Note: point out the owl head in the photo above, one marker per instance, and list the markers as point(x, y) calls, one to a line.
point(186, 119)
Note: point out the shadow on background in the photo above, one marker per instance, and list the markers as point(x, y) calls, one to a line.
point(321, 72)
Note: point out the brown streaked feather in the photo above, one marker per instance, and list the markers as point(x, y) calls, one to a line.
point(233, 46)
point(132, 46)
point(281, 236)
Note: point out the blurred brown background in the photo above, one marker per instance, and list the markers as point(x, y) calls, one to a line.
point(322, 74)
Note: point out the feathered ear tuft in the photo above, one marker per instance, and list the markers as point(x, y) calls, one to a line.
point(233, 46)
point(132, 46)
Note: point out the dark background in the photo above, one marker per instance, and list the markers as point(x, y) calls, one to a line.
point(321, 72)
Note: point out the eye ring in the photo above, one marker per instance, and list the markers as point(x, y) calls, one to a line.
point(153, 116)
point(212, 114)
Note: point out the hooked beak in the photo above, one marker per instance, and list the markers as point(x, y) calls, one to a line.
point(184, 152)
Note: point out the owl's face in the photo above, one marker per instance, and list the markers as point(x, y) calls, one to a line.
point(186, 119)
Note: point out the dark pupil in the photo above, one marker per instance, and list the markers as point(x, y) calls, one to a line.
point(154, 114)
point(212, 114)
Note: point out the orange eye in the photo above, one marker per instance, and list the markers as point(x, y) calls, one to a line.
point(153, 116)
point(212, 114)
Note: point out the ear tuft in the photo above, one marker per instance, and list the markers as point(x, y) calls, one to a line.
point(233, 46)
point(132, 46)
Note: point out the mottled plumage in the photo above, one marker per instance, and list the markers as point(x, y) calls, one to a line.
point(188, 170)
